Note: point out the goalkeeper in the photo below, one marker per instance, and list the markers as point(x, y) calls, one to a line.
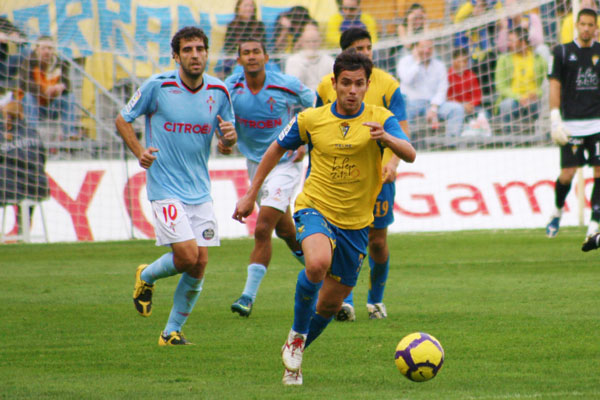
point(575, 114)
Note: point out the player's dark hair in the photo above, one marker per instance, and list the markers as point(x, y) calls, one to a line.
point(188, 32)
point(587, 11)
point(249, 40)
point(351, 60)
point(351, 35)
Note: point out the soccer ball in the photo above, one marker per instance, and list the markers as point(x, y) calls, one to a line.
point(419, 356)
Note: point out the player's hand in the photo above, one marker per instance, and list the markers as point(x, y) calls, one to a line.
point(243, 208)
point(300, 153)
point(559, 134)
point(377, 132)
point(389, 171)
point(225, 150)
point(147, 157)
point(228, 134)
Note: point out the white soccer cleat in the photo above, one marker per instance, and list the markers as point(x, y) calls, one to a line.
point(377, 311)
point(292, 351)
point(291, 378)
point(346, 313)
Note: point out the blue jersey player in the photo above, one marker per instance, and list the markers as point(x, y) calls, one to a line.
point(264, 102)
point(384, 91)
point(335, 208)
point(183, 109)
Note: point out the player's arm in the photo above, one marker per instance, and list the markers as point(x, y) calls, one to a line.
point(245, 204)
point(397, 142)
point(144, 156)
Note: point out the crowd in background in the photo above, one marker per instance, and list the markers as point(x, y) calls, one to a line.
point(497, 70)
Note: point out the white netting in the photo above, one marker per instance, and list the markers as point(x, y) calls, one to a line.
point(106, 49)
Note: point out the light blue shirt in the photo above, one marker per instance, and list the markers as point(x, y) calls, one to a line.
point(259, 117)
point(180, 123)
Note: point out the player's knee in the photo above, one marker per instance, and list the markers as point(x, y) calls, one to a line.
point(285, 234)
point(263, 231)
point(377, 245)
point(186, 260)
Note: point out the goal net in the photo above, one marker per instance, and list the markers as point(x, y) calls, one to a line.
point(491, 95)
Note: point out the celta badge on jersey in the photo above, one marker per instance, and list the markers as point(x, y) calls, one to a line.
point(133, 101)
point(344, 128)
point(208, 234)
point(595, 59)
point(271, 102)
point(210, 103)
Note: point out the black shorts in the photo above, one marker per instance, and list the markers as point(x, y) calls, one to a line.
point(581, 151)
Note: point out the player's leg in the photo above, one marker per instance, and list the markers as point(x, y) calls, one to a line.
point(316, 238)
point(274, 200)
point(191, 257)
point(286, 230)
point(171, 225)
point(569, 161)
point(379, 263)
point(259, 259)
point(187, 291)
point(349, 254)
point(379, 254)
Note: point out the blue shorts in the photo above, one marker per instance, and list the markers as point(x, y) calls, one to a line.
point(349, 245)
point(384, 206)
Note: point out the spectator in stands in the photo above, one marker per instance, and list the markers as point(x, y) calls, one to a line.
point(479, 40)
point(308, 63)
point(530, 21)
point(350, 15)
point(47, 88)
point(244, 24)
point(463, 85)
point(414, 22)
point(567, 24)
point(22, 161)
point(10, 58)
point(424, 82)
point(289, 25)
point(519, 77)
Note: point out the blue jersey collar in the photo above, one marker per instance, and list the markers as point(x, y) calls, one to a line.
point(362, 108)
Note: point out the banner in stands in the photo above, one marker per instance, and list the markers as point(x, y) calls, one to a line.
point(442, 191)
point(83, 27)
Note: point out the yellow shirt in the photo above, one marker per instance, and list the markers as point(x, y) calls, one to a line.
point(344, 175)
point(523, 79)
point(384, 91)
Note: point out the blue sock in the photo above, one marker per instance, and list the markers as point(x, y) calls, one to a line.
point(379, 274)
point(317, 325)
point(350, 298)
point(187, 292)
point(161, 268)
point(305, 300)
point(299, 256)
point(256, 272)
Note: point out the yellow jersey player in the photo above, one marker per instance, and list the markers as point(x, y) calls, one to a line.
point(345, 144)
point(383, 91)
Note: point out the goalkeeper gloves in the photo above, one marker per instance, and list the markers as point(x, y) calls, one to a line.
point(559, 134)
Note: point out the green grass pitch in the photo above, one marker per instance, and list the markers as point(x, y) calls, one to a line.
point(518, 316)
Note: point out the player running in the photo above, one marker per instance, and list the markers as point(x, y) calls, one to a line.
point(384, 91)
point(334, 210)
point(575, 96)
point(264, 102)
point(183, 108)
